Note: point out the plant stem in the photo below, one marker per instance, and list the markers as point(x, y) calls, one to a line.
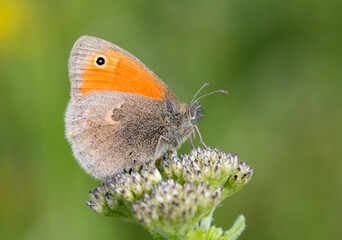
point(206, 222)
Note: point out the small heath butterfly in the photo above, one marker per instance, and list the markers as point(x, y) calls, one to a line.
point(121, 114)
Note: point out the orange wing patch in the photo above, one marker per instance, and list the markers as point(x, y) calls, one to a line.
point(119, 73)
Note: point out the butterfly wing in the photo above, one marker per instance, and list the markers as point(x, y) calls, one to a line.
point(96, 65)
point(113, 130)
point(118, 108)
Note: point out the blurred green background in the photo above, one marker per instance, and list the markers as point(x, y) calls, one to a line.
point(280, 60)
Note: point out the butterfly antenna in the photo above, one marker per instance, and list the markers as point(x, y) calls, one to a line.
point(205, 95)
point(203, 86)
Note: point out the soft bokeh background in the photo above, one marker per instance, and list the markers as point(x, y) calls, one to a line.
point(280, 60)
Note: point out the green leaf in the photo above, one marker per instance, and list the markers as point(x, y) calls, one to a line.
point(235, 231)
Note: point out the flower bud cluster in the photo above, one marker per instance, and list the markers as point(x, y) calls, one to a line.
point(171, 205)
point(123, 188)
point(211, 166)
point(172, 195)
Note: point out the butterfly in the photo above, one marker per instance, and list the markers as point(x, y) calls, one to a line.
point(121, 114)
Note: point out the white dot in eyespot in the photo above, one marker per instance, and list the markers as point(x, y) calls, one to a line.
point(100, 60)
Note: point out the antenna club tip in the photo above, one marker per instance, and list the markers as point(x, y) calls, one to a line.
point(224, 91)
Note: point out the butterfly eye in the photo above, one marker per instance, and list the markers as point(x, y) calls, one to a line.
point(100, 61)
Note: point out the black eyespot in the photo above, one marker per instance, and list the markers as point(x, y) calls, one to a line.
point(100, 61)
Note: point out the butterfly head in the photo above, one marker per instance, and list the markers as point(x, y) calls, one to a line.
point(194, 113)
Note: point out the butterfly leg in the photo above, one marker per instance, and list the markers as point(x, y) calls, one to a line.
point(191, 134)
point(200, 136)
point(159, 145)
point(191, 143)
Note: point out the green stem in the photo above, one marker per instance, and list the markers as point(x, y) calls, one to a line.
point(206, 222)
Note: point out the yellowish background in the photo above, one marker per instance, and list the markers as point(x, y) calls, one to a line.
point(280, 60)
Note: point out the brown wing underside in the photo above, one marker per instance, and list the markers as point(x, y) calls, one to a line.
point(109, 131)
